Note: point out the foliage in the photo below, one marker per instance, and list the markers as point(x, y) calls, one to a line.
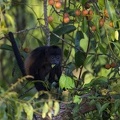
point(88, 33)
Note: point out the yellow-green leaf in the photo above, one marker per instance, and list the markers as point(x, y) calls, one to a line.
point(56, 108)
point(45, 110)
point(116, 35)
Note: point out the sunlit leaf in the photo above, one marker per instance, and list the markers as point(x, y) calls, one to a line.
point(50, 115)
point(116, 35)
point(56, 108)
point(77, 99)
point(66, 82)
point(29, 111)
point(45, 110)
point(111, 9)
point(19, 111)
point(88, 60)
point(50, 103)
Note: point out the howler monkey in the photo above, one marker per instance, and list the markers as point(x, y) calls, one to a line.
point(39, 63)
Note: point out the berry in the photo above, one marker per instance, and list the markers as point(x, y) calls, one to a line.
point(93, 28)
point(85, 12)
point(58, 5)
point(51, 2)
point(50, 19)
point(107, 66)
point(77, 12)
point(66, 19)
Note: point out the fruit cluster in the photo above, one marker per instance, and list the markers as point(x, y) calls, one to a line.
point(85, 11)
point(112, 65)
point(57, 3)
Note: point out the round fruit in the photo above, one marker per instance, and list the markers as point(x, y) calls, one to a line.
point(66, 15)
point(111, 24)
point(113, 64)
point(50, 19)
point(106, 13)
point(51, 2)
point(101, 22)
point(85, 12)
point(58, 5)
point(66, 19)
point(27, 50)
point(93, 28)
point(90, 14)
point(77, 12)
point(107, 66)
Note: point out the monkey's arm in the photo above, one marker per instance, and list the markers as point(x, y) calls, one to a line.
point(56, 70)
point(17, 53)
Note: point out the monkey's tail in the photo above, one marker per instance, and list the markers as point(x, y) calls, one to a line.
point(17, 53)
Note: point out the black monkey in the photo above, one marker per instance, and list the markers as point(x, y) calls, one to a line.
point(39, 63)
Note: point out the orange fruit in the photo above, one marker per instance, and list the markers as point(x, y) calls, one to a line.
point(111, 24)
point(85, 12)
point(106, 13)
point(50, 19)
point(93, 28)
point(58, 5)
point(66, 15)
point(27, 50)
point(51, 2)
point(101, 22)
point(66, 19)
point(90, 14)
point(107, 66)
point(113, 64)
point(77, 12)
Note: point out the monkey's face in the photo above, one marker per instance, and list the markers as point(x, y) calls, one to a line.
point(55, 59)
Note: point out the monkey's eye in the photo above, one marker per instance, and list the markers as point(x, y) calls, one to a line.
point(57, 57)
point(52, 57)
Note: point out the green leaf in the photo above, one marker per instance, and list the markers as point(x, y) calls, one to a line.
point(101, 3)
point(66, 82)
point(56, 108)
point(69, 69)
point(79, 58)
point(103, 107)
point(98, 106)
point(111, 10)
point(61, 31)
point(116, 105)
point(79, 36)
point(19, 110)
point(102, 49)
point(45, 110)
point(3, 114)
point(6, 47)
point(102, 81)
point(84, 25)
point(89, 59)
point(77, 99)
point(28, 110)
